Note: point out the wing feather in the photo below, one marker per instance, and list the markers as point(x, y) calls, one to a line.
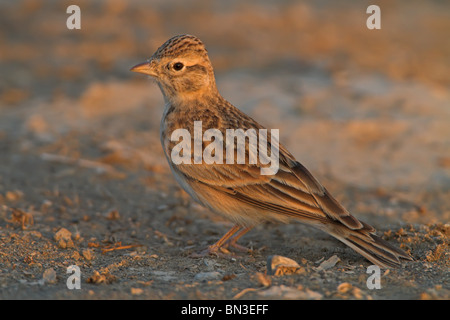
point(293, 189)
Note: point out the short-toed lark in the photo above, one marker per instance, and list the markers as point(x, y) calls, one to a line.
point(239, 191)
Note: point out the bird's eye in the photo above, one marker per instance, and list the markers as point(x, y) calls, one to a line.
point(178, 66)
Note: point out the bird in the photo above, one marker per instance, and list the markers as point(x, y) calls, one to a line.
point(238, 191)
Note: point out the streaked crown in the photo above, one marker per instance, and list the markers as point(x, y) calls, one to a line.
point(180, 46)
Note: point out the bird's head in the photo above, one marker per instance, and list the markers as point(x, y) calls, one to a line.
point(182, 69)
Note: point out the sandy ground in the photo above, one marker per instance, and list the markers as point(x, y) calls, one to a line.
point(83, 180)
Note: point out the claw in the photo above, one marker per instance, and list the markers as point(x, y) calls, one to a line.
point(220, 248)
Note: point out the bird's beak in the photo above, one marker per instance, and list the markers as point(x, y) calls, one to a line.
point(145, 68)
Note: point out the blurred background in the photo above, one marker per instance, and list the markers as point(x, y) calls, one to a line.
point(368, 107)
point(286, 36)
point(366, 111)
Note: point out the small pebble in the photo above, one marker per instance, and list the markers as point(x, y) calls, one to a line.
point(49, 276)
point(279, 265)
point(64, 238)
point(330, 263)
point(88, 255)
point(207, 276)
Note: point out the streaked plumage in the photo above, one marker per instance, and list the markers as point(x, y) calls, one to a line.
point(239, 191)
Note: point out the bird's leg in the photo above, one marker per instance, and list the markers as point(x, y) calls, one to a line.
point(214, 249)
point(225, 239)
point(232, 241)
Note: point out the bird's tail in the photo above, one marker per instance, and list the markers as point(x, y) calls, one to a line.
point(369, 245)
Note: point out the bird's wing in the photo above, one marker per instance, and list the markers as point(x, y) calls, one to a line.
point(292, 191)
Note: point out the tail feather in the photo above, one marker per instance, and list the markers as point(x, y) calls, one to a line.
point(371, 246)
